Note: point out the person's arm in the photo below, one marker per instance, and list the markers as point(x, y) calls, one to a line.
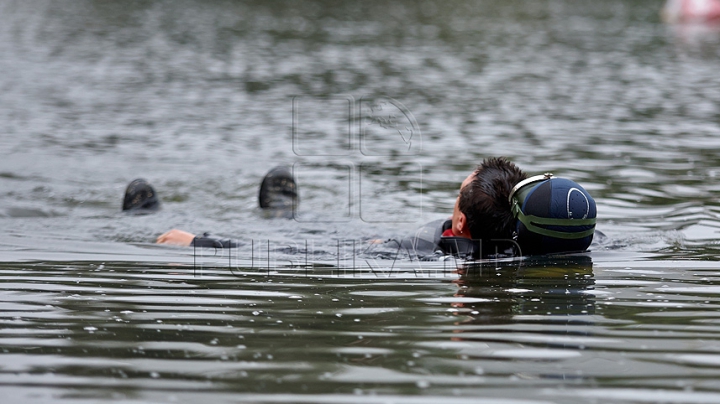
point(185, 239)
point(176, 237)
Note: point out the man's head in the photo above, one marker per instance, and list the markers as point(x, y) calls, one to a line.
point(482, 210)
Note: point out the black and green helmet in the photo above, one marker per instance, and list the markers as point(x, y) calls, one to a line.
point(553, 215)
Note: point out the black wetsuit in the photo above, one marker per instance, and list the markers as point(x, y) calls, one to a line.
point(426, 243)
point(206, 241)
point(429, 241)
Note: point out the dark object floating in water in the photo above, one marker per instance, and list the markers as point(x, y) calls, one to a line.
point(140, 196)
point(278, 190)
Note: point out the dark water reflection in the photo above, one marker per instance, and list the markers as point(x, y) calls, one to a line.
point(382, 108)
point(554, 330)
point(532, 287)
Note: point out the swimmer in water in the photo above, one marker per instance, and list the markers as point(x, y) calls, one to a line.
point(498, 211)
point(482, 221)
point(501, 212)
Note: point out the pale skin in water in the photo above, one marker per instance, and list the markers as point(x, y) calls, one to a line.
point(176, 237)
point(459, 225)
point(459, 221)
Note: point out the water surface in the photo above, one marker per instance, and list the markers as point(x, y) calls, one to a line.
point(382, 109)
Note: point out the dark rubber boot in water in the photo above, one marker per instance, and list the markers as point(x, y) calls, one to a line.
point(278, 192)
point(140, 197)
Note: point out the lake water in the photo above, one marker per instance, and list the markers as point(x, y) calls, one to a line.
point(382, 109)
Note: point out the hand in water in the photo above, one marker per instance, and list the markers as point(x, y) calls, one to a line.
point(176, 237)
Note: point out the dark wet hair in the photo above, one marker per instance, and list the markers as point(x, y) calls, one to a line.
point(484, 201)
point(140, 195)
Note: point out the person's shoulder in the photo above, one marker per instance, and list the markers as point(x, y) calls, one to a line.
point(425, 240)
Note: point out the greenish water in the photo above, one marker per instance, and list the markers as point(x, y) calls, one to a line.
point(382, 109)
